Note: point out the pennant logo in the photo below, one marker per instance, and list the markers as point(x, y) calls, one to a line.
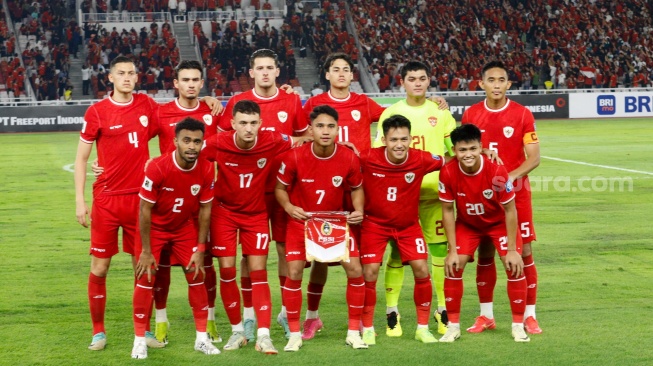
point(356, 115)
point(337, 181)
point(283, 116)
point(410, 177)
point(208, 120)
point(195, 189)
point(433, 121)
point(261, 162)
point(143, 120)
point(508, 131)
point(488, 193)
point(326, 228)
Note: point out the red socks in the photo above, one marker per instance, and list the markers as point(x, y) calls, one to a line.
point(453, 292)
point(230, 294)
point(210, 280)
point(198, 301)
point(517, 295)
point(422, 294)
point(355, 301)
point(282, 283)
point(370, 304)
point(162, 286)
point(486, 279)
point(314, 295)
point(97, 300)
point(261, 297)
point(246, 290)
point(142, 304)
point(531, 280)
point(292, 298)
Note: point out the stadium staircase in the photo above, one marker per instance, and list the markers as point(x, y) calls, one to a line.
point(75, 75)
point(306, 71)
point(186, 48)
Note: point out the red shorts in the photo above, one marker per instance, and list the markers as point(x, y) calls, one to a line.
point(468, 239)
point(278, 218)
point(524, 207)
point(179, 244)
point(374, 239)
point(226, 226)
point(108, 213)
point(296, 244)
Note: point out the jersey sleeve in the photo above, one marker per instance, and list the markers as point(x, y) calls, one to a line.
point(445, 191)
point(354, 176)
point(431, 162)
point(503, 186)
point(287, 169)
point(449, 124)
point(210, 148)
point(225, 117)
point(528, 121)
point(300, 124)
point(465, 118)
point(151, 183)
point(283, 142)
point(206, 195)
point(154, 128)
point(375, 110)
point(379, 129)
point(91, 125)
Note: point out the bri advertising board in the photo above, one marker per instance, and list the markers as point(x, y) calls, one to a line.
point(610, 105)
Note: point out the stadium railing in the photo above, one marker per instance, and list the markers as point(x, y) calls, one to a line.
point(124, 17)
point(236, 14)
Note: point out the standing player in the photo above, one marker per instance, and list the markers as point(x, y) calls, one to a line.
point(177, 189)
point(393, 175)
point(315, 177)
point(485, 202)
point(430, 132)
point(280, 112)
point(120, 125)
point(244, 158)
point(508, 129)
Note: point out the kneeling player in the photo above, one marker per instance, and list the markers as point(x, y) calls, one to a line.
point(317, 175)
point(484, 198)
point(177, 188)
point(393, 175)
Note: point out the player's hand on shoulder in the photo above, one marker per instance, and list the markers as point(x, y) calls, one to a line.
point(493, 156)
point(214, 104)
point(288, 89)
point(440, 101)
point(301, 140)
point(145, 264)
point(451, 264)
point(514, 263)
point(351, 146)
point(81, 211)
point(147, 163)
point(355, 218)
point(96, 168)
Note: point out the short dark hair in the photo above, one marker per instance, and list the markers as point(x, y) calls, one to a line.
point(188, 65)
point(337, 56)
point(465, 133)
point(414, 66)
point(247, 107)
point(493, 65)
point(395, 121)
point(323, 109)
point(263, 53)
point(190, 124)
point(120, 60)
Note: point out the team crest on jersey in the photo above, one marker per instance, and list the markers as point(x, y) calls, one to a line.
point(282, 168)
point(143, 120)
point(356, 115)
point(433, 121)
point(261, 162)
point(488, 193)
point(147, 184)
point(441, 187)
point(337, 181)
point(195, 189)
point(283, 116)
point(326, 228)
point(409, 177)
point(508, 131)
point(207, 119)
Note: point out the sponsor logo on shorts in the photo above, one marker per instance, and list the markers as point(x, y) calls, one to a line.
point(488, 193)
point(207, 119)
point(461, 194)
point(508, 131)
point(293, 253)
point(147, 184)
point(220, 248)
point(283, 116)
point(356, 115)
point(261, 162)
point(337, 181)
point(369, 255)
point(195, 189)
point(98, 250)
point(410, 176)
point(143, 120)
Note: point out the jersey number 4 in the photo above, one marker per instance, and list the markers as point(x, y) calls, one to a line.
point(133, 139)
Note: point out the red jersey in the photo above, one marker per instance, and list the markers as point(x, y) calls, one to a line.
point(243, 174)
point(319, 184)
point(122, 132)
point(355, 115)
point(175, 192)
point(392, 190)
point(281, 113)
point(479, 197)
point(506, 130)
point(172, 112)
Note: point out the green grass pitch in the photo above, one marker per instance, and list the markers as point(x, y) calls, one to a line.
point(594, 257)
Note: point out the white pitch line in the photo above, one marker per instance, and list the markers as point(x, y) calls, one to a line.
point(597, 165)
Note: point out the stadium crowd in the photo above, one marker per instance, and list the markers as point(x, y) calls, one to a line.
point(560, 44)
